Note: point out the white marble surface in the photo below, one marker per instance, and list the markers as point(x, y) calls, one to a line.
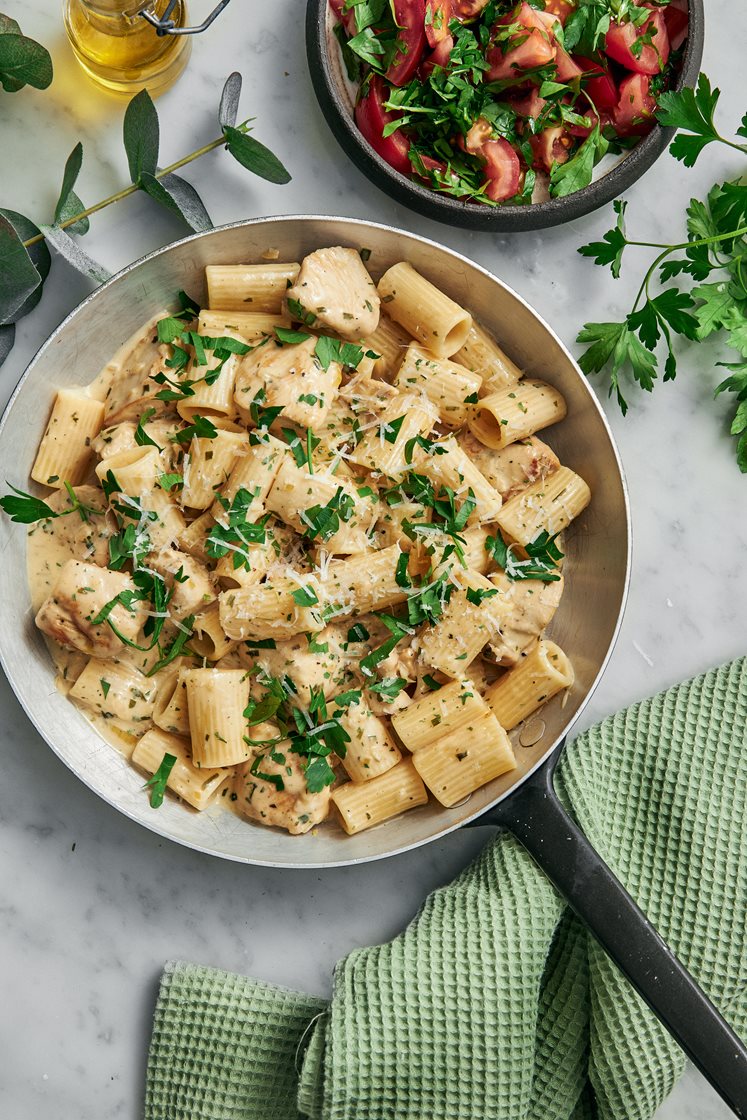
point(91, 905)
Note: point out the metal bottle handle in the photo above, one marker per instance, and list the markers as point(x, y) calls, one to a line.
point(165, 25)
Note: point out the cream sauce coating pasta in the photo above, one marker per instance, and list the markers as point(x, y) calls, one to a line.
point(312, 588)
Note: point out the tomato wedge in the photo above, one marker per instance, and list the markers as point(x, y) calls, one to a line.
point(567, 68)
point(439, 56)
point(549, 147)
point(347, 19)
point(371, 117)
point(599, 84)
point(560, 8)
point(440, 13)
point(634, 113)
point(677, 22)
point(502, 167)
point(531, 47)
point(411, 40)
point(650, 58)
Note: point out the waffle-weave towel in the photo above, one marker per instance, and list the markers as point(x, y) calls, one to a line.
point(495, 1003)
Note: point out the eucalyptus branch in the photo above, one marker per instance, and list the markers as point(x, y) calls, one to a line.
point(130, 190)
point(25, 258)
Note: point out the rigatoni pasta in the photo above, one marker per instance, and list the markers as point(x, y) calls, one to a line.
point(311, 559)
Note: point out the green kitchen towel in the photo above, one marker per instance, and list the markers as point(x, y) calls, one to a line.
point(495, 1003)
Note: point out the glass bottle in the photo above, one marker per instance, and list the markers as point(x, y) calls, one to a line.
point(121, 50)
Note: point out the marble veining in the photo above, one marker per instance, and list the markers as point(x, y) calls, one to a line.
point(90, 904)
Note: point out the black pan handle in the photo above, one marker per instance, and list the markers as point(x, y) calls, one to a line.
point(538, 820)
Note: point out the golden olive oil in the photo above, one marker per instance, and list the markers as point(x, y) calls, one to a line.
point(121, 50)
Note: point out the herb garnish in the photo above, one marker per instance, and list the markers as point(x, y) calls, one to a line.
point(158, 782)
point(543, 557)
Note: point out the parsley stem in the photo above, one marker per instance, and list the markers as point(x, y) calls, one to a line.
point(131, 189)
point(732, 235)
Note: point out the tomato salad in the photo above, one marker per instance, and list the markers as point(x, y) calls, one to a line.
point(494, 101)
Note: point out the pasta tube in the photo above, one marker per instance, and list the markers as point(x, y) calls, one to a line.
point(249, 287)
point(482, 354)
point(515, 413)
point(196, 786)
point(471, 618)
point(170, 711)
point(466, 758)
point(208, 466)
point(447, 385)
point(538, 677)
point(315, 503)
point(389, 341)
point(209, 639)
point(116, 691)
point(549, 504)
point(430, 718)
point(216, 699)
point(363, 583)
point(276, 609)
point(135, 470)
point(387, 446)
point(255, 472)
point(453, 467)
point(363, 804)
point(371, 750)
point(64, 453)
point(250, 326)
point(424, 310)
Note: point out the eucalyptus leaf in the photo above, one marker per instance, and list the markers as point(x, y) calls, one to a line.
point(255, 156)
point(74, 255)
point(19, 276)
point(7, 338)
point(229, 101)
point(23, 62)
point(141, 136)
point(8, 26)
point(178, 196)
point(68, 204)
point(39, 254)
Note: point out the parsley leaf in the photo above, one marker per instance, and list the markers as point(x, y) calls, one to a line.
point(692, 110)
point(610, 249)
point(158, 782)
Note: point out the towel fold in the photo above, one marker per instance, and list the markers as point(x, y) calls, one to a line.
point(495, 1003)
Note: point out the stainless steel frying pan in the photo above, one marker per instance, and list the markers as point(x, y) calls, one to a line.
point(586, 625)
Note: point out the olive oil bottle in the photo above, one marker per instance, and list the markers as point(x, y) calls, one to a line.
point(118, 48)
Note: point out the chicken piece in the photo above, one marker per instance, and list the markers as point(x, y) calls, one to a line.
point(334, 286)
point(125, 383)
point(291, 807)
point(532, 605)
point(513, 468)
point(304, 660)
point(289, 376)
point(193, 590)
point(80, 594)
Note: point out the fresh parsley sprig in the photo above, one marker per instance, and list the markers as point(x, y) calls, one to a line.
point(714, 258)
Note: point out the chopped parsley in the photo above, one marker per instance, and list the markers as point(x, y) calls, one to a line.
point(158, 782)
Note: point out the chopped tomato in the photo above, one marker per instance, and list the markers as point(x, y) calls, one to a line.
point(531, 105)
point(599, 84)
point(651, 57)
point(634, 113)
point(411, 41)
point(347, 19)
point(371, 117)
point(677, 22)
point(502, 168)
point(438, 57)
point(588, 114)
point(567, 69)
point(560, 8)
point(441, 12)
point(528, 48)
point(549, 147)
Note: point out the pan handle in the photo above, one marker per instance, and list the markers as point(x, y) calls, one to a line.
point(536, 817)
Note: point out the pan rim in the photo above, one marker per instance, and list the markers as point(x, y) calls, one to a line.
point(439, 833)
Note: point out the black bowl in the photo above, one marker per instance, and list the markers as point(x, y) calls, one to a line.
point(333, 95)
